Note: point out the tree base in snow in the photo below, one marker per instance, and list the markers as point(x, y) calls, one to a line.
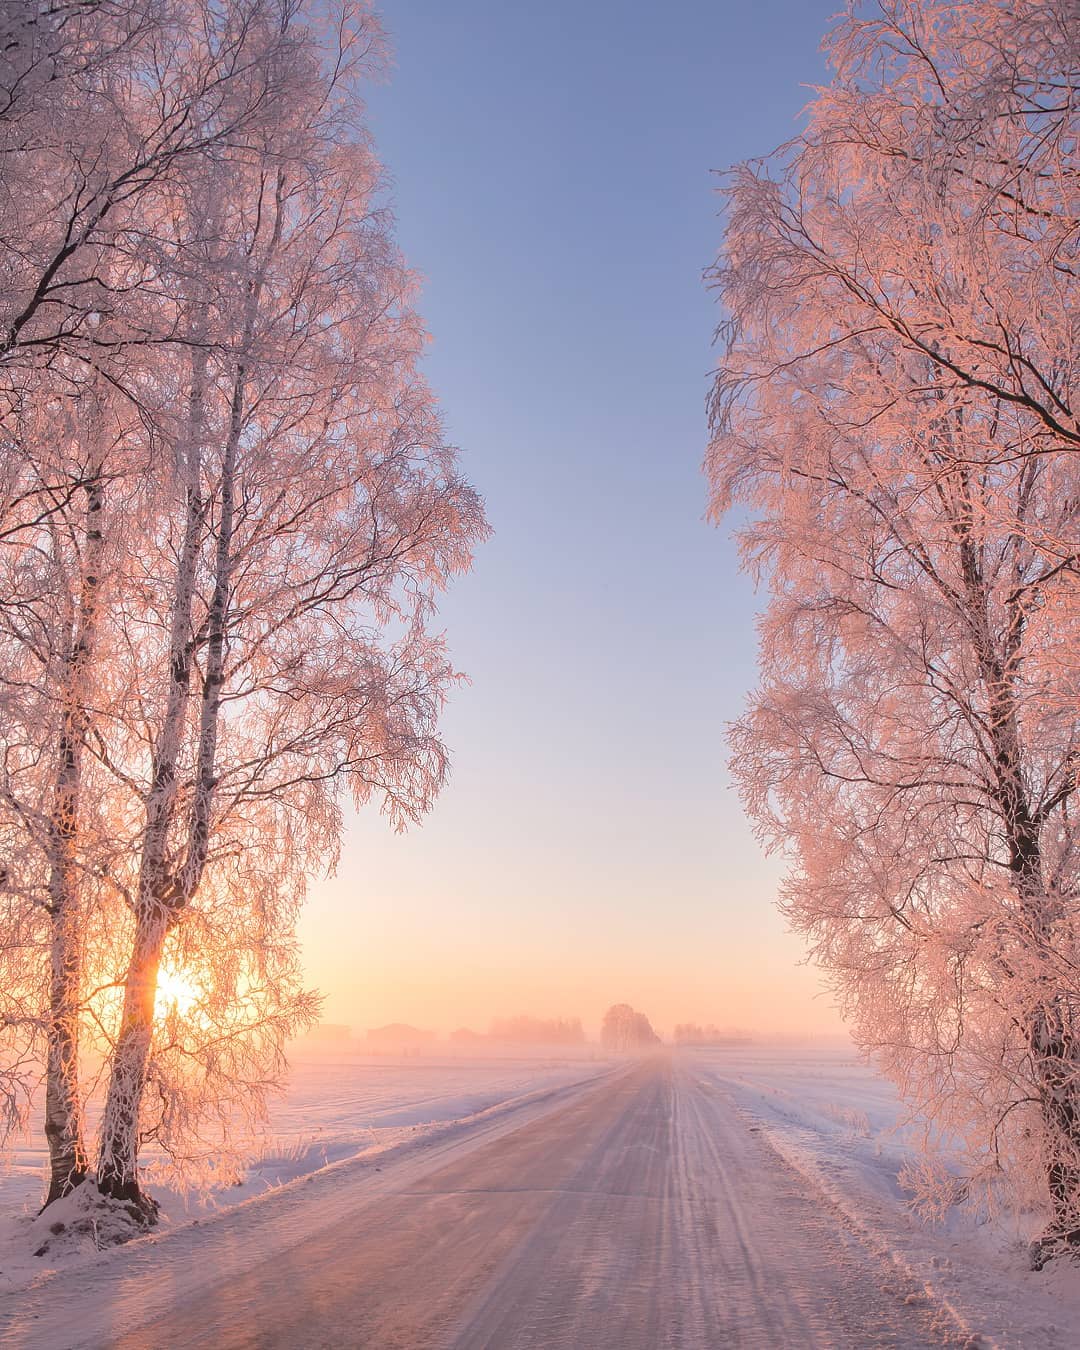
point(128, 1194)
point(1051, 1246)
point(58, 1189)
point(84, 1219)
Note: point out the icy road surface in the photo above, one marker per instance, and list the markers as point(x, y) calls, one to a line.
point(642, 1211)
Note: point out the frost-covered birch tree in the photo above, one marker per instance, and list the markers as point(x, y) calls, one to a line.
point(103, 108)
point(55, 551)
point(896, 407)
point(316, 511)
point(218, 590)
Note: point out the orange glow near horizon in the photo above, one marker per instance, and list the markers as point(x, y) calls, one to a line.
point(412, 930)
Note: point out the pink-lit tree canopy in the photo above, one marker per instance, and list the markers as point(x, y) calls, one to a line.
point(896, 411)
point(227, 509)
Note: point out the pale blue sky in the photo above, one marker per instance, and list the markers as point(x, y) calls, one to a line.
point(552, 181)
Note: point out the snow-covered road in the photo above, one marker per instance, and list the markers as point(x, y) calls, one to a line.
point(641, 1211)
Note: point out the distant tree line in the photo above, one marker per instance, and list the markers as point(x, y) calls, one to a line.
point(689, 1033)
point(538, 1030)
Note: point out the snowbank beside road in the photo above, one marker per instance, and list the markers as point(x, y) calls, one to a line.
point(842, 1127)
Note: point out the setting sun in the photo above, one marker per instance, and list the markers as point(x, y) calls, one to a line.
point(175, 993)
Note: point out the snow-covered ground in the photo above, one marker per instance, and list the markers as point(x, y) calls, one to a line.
point(339, 1103)
point(837, 1127)
point(841, 1125)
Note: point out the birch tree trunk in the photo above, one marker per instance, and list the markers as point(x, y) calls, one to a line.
point(118, 1163)
point(164, 891)
point(64, 1130)
point(1049, 1029)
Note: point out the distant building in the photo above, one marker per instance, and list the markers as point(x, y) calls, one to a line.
point(398, 1038)
point(330, 1031)
point(466, 1036)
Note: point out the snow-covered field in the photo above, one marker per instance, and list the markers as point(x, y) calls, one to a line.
point(339, 1103)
